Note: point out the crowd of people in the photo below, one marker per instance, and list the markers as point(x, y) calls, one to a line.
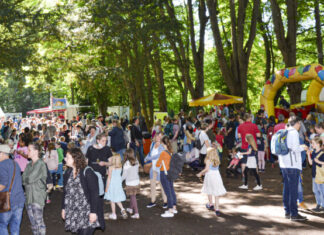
point(89, 159)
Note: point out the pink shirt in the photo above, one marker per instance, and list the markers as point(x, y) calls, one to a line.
point(279, 126)
point(22, 162)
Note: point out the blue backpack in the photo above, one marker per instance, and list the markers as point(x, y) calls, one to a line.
point(100, 181)
point(279, 143)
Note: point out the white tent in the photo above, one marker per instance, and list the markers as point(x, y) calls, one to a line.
point(1, 113)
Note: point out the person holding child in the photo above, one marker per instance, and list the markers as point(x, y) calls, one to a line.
point(213, 184)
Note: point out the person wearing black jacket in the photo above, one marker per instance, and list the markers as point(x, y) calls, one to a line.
point(82, 207)
point(137, 139)
point(118, 143)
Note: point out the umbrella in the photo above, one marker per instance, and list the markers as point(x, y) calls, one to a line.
point(216, 99)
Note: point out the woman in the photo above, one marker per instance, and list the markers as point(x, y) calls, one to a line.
point(82, 207)
point(189, 139)
point(117, 143)
point(21, 156)
point(164, 163)
point(34, 180)
point(155, 150)
point(98, 154)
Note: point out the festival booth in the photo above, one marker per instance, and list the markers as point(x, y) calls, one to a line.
point(314, 72)
point(216, 99)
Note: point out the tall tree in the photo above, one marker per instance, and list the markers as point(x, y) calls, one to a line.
point(235, 66)
point(287, 44)
point(319, 42)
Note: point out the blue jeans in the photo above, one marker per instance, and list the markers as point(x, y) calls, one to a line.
point(139, 149)
point(121, 153)
point(300, 190)
point(53, 173)
point(318, 190)
point(168, 189)
point(290, 190)
point(60, 172)
point(11, 218)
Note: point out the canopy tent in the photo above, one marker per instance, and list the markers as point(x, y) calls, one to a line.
point(216, 99)
point(44, 110)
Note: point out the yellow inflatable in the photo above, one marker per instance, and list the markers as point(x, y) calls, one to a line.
point(313, 72)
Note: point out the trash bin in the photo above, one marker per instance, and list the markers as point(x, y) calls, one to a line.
point(147, 144)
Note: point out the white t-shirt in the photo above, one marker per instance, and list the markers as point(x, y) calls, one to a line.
point(203, 137)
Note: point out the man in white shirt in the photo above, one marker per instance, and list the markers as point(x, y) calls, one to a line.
point(291, 166)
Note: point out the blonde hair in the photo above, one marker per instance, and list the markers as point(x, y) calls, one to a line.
point(212, 157)
point(116, 160)
point(250, 139)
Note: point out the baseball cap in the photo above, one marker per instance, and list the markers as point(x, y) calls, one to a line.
point(4, 148)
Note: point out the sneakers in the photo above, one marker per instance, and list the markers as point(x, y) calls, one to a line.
point(124, 214)
point(48, 201)
point(257, 188)
point(302, 205)
point(135, 216)
point(210, 207)
point(151, 205)
point(109, 216)
point(287, 216)
point(175, 211)
point(317, 209)
point(243, 187)
point(167, 214)
point(165, 205)
point(217, 212)
point(298, 217)
point(129, 210)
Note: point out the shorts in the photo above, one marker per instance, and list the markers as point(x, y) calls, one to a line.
point(244, 159)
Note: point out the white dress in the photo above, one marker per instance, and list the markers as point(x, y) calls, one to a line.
point(213, 183)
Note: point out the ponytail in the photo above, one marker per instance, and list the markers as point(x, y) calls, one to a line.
point(166, 141)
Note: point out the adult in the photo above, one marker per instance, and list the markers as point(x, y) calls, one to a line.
point(244, 129)
point(164, 162)
point(281, 123)
point(98, 155)
point(137, 139)
point(155, 150)
point(319, 128)
point(291, 167)
point(205, 143)
point(284, 103)
point(34, 180)
point(91, 138)
point(10, 179)
point(82, 207)
point(175, 133)
point(230, 133)
point(118, 143)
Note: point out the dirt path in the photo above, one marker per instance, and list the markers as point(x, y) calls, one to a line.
point(243, 212)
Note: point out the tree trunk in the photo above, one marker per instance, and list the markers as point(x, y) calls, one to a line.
point(319, 42)
point(198, 56)
point(150, 97)
point(183, 90)
point(72, 92)
point(266, 40)
point(287, 44)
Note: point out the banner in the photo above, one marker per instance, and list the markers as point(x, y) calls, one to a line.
point(58, 103)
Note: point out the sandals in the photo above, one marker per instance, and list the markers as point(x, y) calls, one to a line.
point(110, 216)
point(124, 214)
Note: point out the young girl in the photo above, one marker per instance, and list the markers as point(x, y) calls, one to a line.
point(231, 169)
point(251, 163)
point(261, 142)
point(213, 183)
point(114, 188)
point(316, 158)
point(130, 174)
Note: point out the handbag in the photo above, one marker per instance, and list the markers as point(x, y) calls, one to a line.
point(5, 196)
point(319, 178)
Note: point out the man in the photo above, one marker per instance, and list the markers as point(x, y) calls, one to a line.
point(247, 128)
point(281, 123)
point(284, 103)
point(137, 139)
point(13, 217)
point(291, 166)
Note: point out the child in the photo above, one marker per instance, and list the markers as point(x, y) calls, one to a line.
point(213, 184)
point(114, 189)
point(251, 163)
point(60, 153)
point(261, 142)
point(234, 162)
point(130, 174)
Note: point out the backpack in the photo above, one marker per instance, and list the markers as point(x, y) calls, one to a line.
point(198, 144)
point(176, 165)
point(279, 143)
point(100, 181)
point(168, 130)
